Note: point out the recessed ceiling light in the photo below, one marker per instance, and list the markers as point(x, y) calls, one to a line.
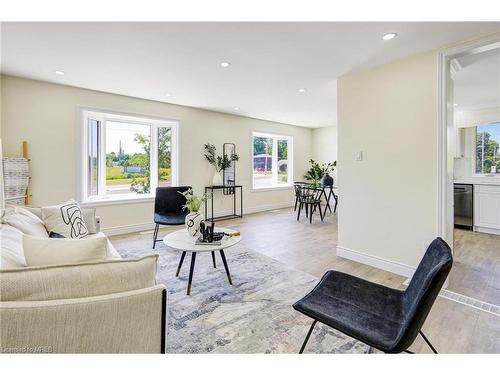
point(225, 64)
point(455, 104)
point(302, 90)
point(168, 94)
point(236, 108)
point(389, 36)
point(59, 72)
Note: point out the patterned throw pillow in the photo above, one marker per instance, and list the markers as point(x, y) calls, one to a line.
point(65, 220)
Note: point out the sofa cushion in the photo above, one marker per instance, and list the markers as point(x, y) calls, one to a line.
point(25, 221)
point(12, 255)
point(89, 216)
point(77, 280)
point(46, 251)
point(65, 219)
point(111, 251)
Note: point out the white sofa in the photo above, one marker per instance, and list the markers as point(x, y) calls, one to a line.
point(109, 306)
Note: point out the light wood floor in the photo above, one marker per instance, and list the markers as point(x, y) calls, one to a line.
point(451, 327)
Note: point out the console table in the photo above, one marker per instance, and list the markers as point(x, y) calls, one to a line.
point(209, 191)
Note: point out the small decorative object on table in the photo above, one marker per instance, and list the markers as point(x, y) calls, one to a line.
point(221, 163)
point(193, 218)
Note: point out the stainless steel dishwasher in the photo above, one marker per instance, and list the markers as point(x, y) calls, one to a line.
point(464, 206)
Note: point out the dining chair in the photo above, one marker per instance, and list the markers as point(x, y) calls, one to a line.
point(169, 208)
point(383, 318)
point(309, 199)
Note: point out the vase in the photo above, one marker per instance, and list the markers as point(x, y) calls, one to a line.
point(193, 221)
point(327, 180)
point(217, 179)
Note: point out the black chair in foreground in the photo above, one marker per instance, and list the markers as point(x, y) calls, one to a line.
point(169, 208)
point(384, 318)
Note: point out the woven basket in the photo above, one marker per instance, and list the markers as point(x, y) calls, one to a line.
point(16, 179)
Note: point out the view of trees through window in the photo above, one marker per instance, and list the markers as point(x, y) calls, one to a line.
point(270, 161)
point(128, 158)
point(487, 148)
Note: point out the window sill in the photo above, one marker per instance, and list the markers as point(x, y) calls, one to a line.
point(271, 188)
point(117, 201)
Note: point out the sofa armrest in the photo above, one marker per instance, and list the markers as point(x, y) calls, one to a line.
point(126, 322)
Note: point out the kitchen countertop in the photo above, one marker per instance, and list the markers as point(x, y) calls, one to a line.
point(495, 181)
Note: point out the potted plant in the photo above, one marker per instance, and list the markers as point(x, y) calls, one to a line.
point(193, 205)
point(320, 174)
point(219, 162)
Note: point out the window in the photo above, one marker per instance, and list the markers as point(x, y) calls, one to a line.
point(487, 148)
point(126, 157)
point(272, 160)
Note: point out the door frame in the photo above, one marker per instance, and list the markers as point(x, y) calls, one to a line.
point(446, 127)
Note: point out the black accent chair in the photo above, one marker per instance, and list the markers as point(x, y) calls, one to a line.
point(169, 208)
point(384, 318)
point(309, 199)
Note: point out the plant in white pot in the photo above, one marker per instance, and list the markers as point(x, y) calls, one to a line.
point(193, 205)
point(219, 162)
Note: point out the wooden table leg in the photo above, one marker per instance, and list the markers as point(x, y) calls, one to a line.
point(225, 266)
point(191, 270)
point(180, 263)
point(213, 259)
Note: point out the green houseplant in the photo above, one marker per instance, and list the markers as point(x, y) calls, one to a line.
point(193, 205)
point(320, 173)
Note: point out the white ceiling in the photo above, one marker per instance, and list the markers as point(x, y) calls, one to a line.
point(477, 83)
point(269, 61)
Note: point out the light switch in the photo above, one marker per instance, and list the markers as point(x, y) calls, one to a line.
point(359, 156)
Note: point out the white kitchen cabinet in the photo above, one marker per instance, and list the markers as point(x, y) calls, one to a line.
point(487, 208)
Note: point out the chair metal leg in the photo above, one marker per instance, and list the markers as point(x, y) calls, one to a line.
point(307, 337)
point(300, 209)
point(213, 259)
point(155, 234)
point(409, 352)
point(191, 271)
point(296, 201)
point(428, 342)
point(180, 264)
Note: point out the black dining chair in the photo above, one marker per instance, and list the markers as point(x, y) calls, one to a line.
point(296, 186)
point(309, 199)
point(383, 318)
point(169, 208)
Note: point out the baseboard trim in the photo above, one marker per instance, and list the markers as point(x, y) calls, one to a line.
point(130, 228)
point(374, 261)
point(487, 230)
point(141, 227)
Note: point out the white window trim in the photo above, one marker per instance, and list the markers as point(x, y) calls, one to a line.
point(106, 115)
point(275, 137)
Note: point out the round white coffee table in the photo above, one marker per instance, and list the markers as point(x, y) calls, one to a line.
point(181, 241)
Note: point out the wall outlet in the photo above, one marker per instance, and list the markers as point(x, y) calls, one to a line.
point(358, 156)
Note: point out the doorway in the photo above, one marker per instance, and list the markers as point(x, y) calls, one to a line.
point(470, 168)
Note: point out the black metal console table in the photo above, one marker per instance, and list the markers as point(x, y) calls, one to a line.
point(209, 191)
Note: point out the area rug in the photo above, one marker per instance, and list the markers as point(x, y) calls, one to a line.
point(254, 315)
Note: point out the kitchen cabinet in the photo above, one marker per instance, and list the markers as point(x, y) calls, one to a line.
point(487, 208)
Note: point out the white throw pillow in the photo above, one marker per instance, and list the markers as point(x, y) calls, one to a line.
point(25, 221)
point(65, 220)
point(47, 251)
point(12, 255)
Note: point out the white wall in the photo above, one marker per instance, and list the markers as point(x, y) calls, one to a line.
point(388, 201)
point(324, 145)
point(45, 115)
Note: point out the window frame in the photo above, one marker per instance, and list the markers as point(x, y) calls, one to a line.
point(276, 137)
point(102, 116)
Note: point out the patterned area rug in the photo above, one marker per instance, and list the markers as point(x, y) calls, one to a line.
point(254, 315)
